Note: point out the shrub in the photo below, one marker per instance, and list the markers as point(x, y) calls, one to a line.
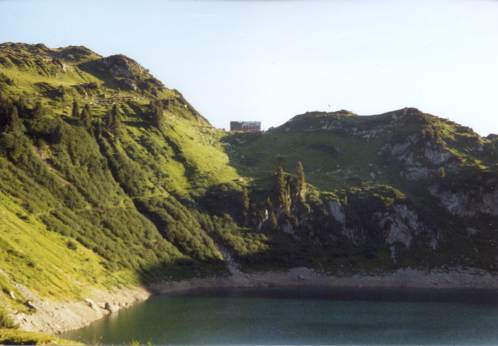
point(71, 245)
point(5, 320)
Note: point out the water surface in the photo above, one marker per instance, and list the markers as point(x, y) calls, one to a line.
point(311, 316)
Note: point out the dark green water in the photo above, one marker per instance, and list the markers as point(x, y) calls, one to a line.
point(291, 317)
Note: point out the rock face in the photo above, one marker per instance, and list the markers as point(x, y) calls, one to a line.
point(337, 212)
point(401, 226)
point(481, 200)
point(46, 61)
point(124, 73)
point(75, 53)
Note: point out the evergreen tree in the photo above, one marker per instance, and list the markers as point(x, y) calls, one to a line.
point(108, 119)
point(270, 216)
point(245, 204)
point(245, 199)
point(273, 221)
point(281, 190)
point(75, 113)
point(116, 117)
point(300, 181)
point(113, 119)
point(14, 123)
point(253, 214)
point(268, 204)
point(156, 113)
point(37, 111)
point(21, 106)
point(86, 117)
point(61, 92)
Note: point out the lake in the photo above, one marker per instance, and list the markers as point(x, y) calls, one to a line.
point(304, 316)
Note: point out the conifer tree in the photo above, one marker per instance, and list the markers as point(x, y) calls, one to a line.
point(157, 113)
point(268, 204)
point(113, 119)
point(270, 215)
point(116, 117)
point(300, 181)
point(108, 119)
point(86, 116)
point(254, 213)
point(245, 204)
point(37, 112)
point(281, 189)
point(14, 123)
point(21, 106)
point(273, 221)
point(245, 199)
point(75, 113)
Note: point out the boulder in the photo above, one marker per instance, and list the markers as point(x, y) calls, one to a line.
point(110, 307)
point(91, 304)
point(31, 305)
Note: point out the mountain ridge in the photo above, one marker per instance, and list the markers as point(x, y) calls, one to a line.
point(120, 175)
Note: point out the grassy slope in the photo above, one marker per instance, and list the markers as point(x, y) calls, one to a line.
point(114, 196)
point(336, 157)
point(16, 337)
point(332, 160)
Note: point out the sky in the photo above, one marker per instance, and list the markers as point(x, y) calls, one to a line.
point(269, 60)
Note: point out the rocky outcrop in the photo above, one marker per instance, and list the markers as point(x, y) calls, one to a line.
point(337, 212)
point(401, 225)
point(121, 72)
point(75, 53)
point(468, 203)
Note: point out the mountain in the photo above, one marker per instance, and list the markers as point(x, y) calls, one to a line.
point(109, 179)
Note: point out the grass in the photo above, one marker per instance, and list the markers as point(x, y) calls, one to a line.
point(41, 260)
point(331, 161)
point(17, 337)
point(5, 320)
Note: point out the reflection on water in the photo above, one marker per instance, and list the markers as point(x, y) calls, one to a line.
point(305, 316)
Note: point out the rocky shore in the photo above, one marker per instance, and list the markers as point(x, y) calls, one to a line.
point(305, 277)
point(56, 317)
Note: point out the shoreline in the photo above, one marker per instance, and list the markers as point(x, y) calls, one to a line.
point(57, 317)
point(305, 277)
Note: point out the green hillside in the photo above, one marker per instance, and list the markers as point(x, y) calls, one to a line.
point(93, 204)
point(109, 178)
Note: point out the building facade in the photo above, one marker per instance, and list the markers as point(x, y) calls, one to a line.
point(245, 126)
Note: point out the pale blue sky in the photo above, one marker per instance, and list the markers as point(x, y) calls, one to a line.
point(270, 60)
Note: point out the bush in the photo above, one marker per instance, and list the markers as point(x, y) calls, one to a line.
point(71, 245)
point(5, 320)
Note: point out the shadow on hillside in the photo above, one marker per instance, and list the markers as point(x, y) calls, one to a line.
point(181, 269)
point(241, 158)
point(137, 123)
